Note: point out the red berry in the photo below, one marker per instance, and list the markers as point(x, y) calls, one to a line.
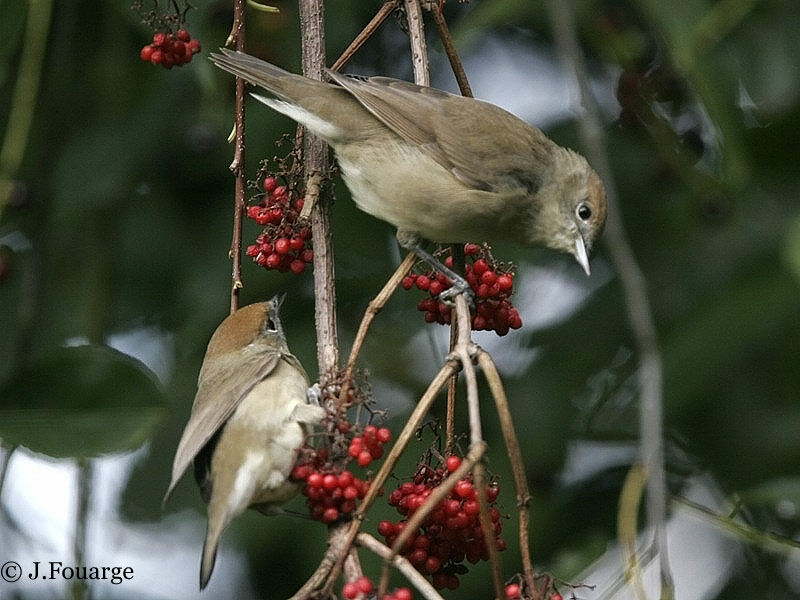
point(384, 435)
point(432, 564)
point(297, 266)
point(178, 48)
point(329, 515)
point(364, 458)
point(452, 463)
point(556, 596)
point(270, 183)
point(408, 282)
point(273, 261)
point(307, 255)
point(183, 35)
point(435, 288)
point(156, 57)
point(512, 591)
point(480, 266)
point(482, 291)
point(296, 243)
point(147, 52)
point(364, 585)
point(506, 282)
point(159, 39)
point(194, 45)
point(350, 590)
point(464, 489)
point(489, 277)
point(282, 245)
point(386, 528)
point(402, 594)
point(423, 282)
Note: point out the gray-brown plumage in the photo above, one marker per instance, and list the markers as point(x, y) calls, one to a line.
point(440, 166)
point(248, 420)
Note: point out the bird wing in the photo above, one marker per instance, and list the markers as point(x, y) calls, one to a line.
point(209, 413)
point(464, 135)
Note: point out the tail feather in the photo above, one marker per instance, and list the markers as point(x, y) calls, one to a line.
point(209, 556)
point(253, 69)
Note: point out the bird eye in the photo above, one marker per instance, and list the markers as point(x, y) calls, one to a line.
point(271, 325)
point(584, 212)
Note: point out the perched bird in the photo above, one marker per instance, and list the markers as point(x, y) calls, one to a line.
point(249, 418)
point(438, 166)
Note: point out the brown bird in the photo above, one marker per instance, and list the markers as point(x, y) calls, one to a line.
point(438, 166)
point(249, 418)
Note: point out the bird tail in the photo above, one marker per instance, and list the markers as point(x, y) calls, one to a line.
point(254, 70)
point(209, 555)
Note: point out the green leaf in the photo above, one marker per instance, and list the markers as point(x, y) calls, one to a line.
point(81, 401)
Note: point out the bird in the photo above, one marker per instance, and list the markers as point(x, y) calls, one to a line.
point(250, 416)
point(439, 166)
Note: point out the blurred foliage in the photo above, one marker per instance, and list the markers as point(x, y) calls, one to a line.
point(120, 220)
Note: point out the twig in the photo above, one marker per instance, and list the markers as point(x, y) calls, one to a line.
point(637, 304)
point(419, 49)
point(385, 10)
point(450, 50)
point(401, 564)
point(237, 167)
point(441, 491)
point(515, 457)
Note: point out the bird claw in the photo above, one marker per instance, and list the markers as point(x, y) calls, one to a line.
point(314, 394)
point(448, 296)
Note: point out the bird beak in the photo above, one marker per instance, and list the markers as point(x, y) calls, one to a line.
point(278, 299)
point(581, 255)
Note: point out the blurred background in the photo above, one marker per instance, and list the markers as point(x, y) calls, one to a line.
point(115, 224)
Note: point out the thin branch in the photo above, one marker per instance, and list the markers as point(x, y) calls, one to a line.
point(237, 167)
point(634, 286)
point(385, 10)
point(401, 564)
point(515, 457)
point(450, 50)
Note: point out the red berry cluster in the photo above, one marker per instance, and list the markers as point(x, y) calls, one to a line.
point(361, 588)
point(171, 49)
point(369, 445)
point(284, 244)
point(491, 282)
point(331, 491)
point(451, 532)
